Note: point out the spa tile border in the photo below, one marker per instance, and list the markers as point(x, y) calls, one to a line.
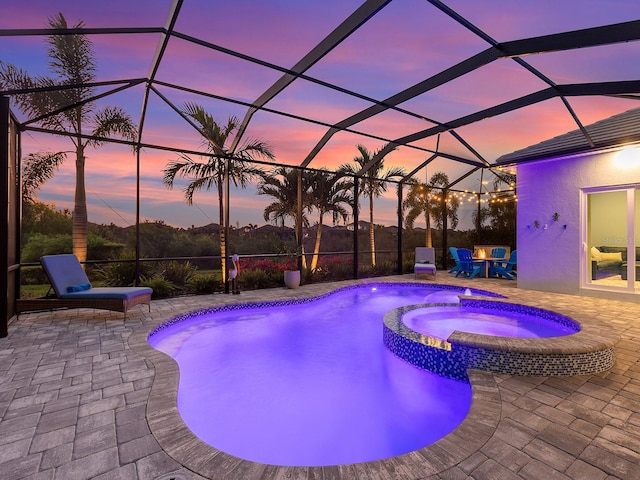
point(588, 351)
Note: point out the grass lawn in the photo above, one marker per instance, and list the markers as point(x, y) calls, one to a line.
point(33, 291)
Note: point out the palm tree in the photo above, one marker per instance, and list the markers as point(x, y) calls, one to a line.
point(372, 184)
point(219, 159)
point(72, 61)
point(327, 196)
point(425, 199)
point(282, 185)
point(500, 214)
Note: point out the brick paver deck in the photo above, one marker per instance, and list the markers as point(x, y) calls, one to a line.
point(82, 396)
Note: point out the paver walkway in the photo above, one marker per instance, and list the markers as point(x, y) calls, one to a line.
point(76, 402)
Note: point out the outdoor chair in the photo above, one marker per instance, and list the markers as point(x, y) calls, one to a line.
point(425, 262)
point(468, 267)
point(73, 289)
point(498, 252)
point(454, 254)
point(505, 269)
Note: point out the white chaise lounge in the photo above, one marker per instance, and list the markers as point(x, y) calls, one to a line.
point(425, 262)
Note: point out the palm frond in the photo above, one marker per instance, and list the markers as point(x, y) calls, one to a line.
point(254, 149)
point(71, 56)
point(113, 120)
point(197, 185)
point(213, 136)
point(37, 168)
point(411, 217)
point(174, 169)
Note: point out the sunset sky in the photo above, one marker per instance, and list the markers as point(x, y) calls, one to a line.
point(404, 43)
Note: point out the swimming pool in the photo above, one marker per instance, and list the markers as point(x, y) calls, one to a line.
point(309, 383)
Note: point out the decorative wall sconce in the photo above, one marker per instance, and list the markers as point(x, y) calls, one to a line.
point(555, 217)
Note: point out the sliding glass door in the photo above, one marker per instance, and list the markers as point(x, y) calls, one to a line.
point(612, 247)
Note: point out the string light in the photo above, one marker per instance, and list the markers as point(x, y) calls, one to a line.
point(486, 197)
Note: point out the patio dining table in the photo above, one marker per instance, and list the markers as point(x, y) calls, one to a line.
point(486, 263)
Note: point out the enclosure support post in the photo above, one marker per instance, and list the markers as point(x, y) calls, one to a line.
point(137, 280)
point(299, 224)
point(400, 265)
point(445, 226)
point(224, 229)
point(4, 220)
point(356, 222)
point(10, 214)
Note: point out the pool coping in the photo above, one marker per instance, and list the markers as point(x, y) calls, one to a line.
point(175, 438)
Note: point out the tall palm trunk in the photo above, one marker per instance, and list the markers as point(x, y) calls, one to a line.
point(223, 240)
point(303, 257)
point(80, 219)
point(427, 220)
point(316, 248)
point(372, 237)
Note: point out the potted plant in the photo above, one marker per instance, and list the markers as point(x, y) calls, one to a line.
point(292, 278)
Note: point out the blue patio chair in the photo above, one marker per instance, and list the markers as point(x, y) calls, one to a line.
point(454, 254)
point(505, 269)
point(499, 252)
point(468, 267)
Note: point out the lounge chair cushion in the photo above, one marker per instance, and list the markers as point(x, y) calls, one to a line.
point(64, 271)
point(125, 293)
point(69, 280)
point(425, 262)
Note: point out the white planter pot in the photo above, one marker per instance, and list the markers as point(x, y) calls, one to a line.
point(292, 278)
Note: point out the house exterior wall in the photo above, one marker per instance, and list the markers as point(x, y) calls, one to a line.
point(550, 259)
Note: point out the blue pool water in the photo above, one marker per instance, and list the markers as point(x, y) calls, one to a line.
point(309, 384)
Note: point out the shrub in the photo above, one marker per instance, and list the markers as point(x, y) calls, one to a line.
point(407, 265)
point(269, 265)
point(202, 284)
point(334, 268)
point(385, 268)
point(381, 269)
point(161, 286)
point(255, 279)
point(179, 273)
point(38, 245)
point(309, 276)
point(33, 276)
point(123, 274)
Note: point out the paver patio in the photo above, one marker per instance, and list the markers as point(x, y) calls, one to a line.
point(82, 396)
